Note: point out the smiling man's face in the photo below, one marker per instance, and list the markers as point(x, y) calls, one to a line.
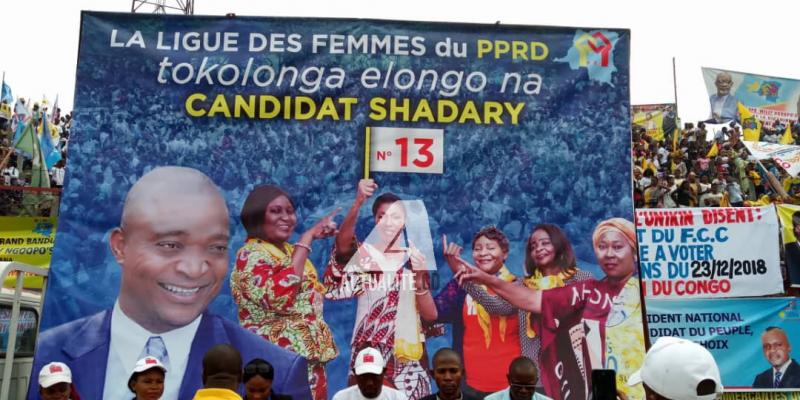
point(173, 249)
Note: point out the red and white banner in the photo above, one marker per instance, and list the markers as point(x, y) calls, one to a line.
point(709, 252)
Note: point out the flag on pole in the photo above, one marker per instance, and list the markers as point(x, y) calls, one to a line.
point(675, 133)
point(50, 154)
point(6, 93)
point(751, 126)
point(56, 112)
point(18, 131)
point(25, 142)
point(787, 136)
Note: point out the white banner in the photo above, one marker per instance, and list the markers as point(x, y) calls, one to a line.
point(407, 150)
point(786, 156)
point(709, 252)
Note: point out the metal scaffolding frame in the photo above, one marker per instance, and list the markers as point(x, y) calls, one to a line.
point(163, 6)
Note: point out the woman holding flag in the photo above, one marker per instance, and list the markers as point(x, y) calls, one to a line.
point(276, 286)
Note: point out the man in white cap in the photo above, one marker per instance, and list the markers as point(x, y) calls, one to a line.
point(55, 381)
point(369, 369)
point(678, 369)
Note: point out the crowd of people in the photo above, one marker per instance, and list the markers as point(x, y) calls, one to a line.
point(17, 166)
point(673, 369)
point(702, 167)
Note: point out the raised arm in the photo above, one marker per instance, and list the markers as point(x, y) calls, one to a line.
point(325, 227)
point(347, 231)
point(519, 296)
point(494, 304)
point(425, 303)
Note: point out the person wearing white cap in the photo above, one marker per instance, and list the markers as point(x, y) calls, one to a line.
point(369, 369)
point(147, 379)
point(55, 382)
point(678, 369)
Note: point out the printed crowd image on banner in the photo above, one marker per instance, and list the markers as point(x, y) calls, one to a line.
point(303, 189)
point(769, 98)
point(751, 339)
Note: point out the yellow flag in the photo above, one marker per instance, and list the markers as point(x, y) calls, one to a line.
point(713, 151)
point(751, 126)
point(646, 164)
point(675, 134)
point(787, 136)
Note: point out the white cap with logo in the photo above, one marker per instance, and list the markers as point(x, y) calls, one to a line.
point(53, 373)
point(369, 361)
point(147, 363)
point(674, 367)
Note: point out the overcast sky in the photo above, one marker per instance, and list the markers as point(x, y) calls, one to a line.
point(40, 38)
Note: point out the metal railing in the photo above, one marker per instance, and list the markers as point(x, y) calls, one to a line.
point(24, 201)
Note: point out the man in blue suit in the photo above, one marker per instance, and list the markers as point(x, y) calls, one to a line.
point(172, 245)
point(784, 372)
point(724, 105)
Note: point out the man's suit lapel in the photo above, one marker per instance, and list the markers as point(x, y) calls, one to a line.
point(790, 377)
point(210, 333)
point(89, 351)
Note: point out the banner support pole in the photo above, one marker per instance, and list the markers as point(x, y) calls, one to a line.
point(366, 152)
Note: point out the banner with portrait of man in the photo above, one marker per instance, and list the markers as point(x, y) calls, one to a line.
point(303, 188)
point(771, 99)
point(751, 339)
point(658, 120)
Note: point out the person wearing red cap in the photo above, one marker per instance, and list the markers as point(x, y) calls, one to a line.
point(369, 370)
point(147, 379)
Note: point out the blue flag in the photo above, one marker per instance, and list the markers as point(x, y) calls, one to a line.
point(18, 132)
point(50, 153)
point(5, 94)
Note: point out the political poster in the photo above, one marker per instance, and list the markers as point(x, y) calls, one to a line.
point(658, 120)
point(709, 252)
point(27, 240)
point(749, 338)
point(769, 98)
point(789, 215)
point(785, 155)
point(286, 185)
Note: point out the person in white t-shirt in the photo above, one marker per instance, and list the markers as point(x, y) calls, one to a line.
point(369, 370)
point(713, 197)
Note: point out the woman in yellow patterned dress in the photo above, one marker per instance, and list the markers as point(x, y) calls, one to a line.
point(276, 286)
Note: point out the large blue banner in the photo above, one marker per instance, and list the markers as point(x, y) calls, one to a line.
point(749, 338)
point(469, 125)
